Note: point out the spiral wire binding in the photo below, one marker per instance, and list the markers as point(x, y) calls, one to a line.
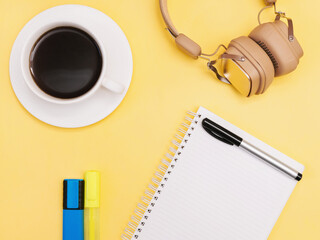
point(162, 175)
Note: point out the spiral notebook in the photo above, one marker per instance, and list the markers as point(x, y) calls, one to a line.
point(205, 189)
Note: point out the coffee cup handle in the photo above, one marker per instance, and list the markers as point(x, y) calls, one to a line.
point(112, 86)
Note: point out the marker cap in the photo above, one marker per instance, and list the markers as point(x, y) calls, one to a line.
point(73, 194)
point(92, 189)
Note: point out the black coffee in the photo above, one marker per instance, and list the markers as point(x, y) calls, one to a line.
point(65, 62)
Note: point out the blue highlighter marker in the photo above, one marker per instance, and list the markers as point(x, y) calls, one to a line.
point(73, 205)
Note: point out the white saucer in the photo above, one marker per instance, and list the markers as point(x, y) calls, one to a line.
point(100, 104)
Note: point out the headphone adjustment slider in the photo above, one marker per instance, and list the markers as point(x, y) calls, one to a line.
point(214, 69)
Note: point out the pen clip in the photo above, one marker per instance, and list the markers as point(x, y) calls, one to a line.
point(222, 139)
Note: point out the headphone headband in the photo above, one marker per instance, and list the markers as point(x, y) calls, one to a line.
point(167, 19)
point(183, 42)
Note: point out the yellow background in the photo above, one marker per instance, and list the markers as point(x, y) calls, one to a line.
point(128, 145)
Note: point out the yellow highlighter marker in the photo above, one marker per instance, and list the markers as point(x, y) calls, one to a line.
point(92, 206)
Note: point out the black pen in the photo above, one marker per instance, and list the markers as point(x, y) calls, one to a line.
point(230, 138)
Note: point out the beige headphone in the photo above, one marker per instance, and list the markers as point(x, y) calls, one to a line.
point(249, 63)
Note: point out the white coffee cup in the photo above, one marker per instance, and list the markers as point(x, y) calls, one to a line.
point(104, 80)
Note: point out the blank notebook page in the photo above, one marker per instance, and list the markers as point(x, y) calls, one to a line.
point(217, 191)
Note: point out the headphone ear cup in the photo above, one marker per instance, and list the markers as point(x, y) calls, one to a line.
point(257, 65)
point(273, 38)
